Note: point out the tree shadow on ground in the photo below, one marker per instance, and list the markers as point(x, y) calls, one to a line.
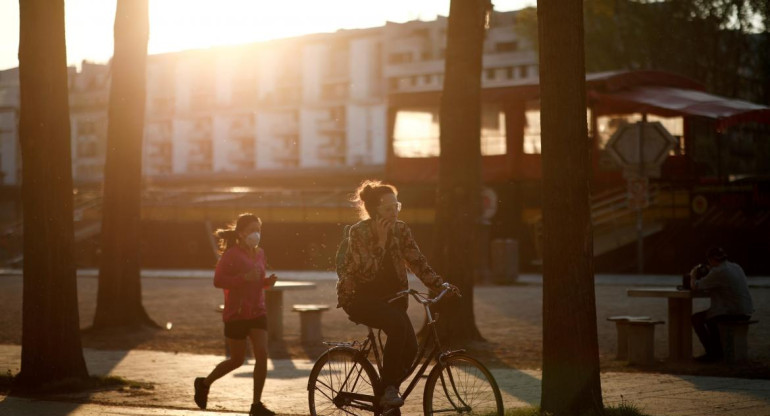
point(281, 353)
point(748, 369)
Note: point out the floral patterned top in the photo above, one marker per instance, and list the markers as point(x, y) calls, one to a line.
point(364, 257)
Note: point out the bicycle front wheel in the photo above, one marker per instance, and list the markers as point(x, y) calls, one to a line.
point(342, 383)
point(462, 386)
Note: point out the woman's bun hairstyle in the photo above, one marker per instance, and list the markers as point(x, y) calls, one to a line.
point(367, 196)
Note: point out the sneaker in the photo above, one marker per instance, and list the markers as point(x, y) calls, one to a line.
point(201, 392)
point(390, 398)
point(259, 409)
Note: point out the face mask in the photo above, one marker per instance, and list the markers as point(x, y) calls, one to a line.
point(253, 239)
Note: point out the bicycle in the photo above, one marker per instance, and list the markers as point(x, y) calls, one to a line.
point(344, 381)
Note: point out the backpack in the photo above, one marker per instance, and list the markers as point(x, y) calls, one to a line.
point(342, 251)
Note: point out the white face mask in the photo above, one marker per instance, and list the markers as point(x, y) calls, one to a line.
point(253, 239)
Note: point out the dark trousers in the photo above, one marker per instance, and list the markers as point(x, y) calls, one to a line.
point(708, 331)
point(401, 346)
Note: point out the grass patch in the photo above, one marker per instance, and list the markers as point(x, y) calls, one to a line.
point(622, 409)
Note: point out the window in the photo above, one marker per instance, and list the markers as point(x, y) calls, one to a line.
point(400, 58)
point(532, 137)
point(506, 46)
point(87, 148)
point(608, 125)
point(86, 127)
point(416, 132)
point(532, 128)
point(492, 131)
point(675, 126)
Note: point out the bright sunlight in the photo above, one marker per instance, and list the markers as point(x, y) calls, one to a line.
point(177, 25)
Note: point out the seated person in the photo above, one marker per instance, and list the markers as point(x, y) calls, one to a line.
point(728, 288)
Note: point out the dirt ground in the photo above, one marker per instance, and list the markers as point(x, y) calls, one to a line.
point(508, 317)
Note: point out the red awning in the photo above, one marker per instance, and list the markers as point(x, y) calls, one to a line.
point(670, 102)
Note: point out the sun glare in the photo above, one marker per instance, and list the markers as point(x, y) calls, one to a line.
point(177, 25)
point(190, 24)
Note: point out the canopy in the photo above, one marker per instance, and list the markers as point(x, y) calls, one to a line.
point(670, 102)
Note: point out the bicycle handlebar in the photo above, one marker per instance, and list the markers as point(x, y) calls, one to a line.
point(424, 300)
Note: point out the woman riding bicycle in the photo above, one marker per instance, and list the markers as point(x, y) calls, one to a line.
point(374, 270)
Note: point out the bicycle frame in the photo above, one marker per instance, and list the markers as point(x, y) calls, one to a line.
point(373, 343)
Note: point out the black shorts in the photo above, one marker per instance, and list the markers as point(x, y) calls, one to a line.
point(239, 329)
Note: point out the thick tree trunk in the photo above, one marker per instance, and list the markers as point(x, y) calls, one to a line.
point(570, 348)
point(50, 340)
point(458, 204)
point(119, 300)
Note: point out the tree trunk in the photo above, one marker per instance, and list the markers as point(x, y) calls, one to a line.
point(571, 382)
point(50, 341)
point(119, 300)
point(458, 204)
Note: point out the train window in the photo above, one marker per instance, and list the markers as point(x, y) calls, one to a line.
point(416, 132)
point(532, 141)
point(532, 128)
point(675, 126)
point(608, 125)
point(492, 131)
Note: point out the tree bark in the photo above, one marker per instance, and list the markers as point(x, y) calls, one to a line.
point(50, 341)
point(571, 382)
point(458, 205)
point(119, 299)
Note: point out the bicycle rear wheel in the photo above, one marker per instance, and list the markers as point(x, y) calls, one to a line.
point(342, 383)
point(462, 385)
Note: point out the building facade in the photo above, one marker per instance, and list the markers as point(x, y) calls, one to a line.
point(311, 102)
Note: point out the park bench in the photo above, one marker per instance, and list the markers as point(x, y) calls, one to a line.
point(734, 339)
point(310, 322)
point(621, 324)
point(641, 341)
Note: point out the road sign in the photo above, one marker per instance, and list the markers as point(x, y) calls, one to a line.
point(641, 148)
point(638, 193)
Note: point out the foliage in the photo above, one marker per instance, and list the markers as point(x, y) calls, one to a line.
point(525, 25)
point(721, 43)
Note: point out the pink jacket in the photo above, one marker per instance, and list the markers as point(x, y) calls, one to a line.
point(243, 299)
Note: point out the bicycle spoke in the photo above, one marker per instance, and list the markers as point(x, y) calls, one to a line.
point(463, 386)
point(340, 385)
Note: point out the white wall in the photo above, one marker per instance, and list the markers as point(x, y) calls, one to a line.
point(9, 164)
point(309, 138)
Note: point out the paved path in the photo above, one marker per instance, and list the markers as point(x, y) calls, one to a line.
point(530, 278)
point(285, 390)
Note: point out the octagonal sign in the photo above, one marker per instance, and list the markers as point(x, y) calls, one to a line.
point(641, 143)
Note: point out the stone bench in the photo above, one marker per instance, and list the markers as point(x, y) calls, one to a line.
point(310, 322)
point(641, 341)
point(734, 339)
point(621, 324)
